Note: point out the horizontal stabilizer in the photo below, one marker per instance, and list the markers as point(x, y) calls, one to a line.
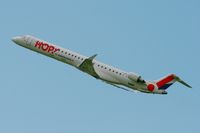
point(183, 82)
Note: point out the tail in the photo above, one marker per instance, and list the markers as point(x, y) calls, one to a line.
point(169, 80)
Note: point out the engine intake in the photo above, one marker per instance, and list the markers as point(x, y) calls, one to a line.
point(134, 77)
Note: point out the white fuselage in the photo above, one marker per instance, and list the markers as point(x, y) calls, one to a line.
point(105, 72)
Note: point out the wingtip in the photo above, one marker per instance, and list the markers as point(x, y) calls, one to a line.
point(184, 83)
point(190, 86)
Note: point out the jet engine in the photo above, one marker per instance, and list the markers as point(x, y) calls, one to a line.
point(134, 77)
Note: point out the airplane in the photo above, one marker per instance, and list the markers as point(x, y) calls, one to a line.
point(128, 81)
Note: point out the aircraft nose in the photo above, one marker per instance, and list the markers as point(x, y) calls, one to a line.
point(16, 39)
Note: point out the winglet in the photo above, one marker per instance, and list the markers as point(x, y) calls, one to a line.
point(92, 57)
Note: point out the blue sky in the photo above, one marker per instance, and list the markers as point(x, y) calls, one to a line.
point(152, 38)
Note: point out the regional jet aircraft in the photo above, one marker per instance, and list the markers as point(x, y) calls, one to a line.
point(125, 80)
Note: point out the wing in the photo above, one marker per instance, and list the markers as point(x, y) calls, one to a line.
point(88, 66)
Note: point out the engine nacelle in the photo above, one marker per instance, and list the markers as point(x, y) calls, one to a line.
point(134, 77)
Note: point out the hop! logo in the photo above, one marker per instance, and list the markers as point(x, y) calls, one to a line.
point(46, 47)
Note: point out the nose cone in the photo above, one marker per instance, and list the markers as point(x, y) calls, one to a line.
point(16, 39)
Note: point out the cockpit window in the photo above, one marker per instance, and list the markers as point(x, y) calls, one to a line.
point(27, 39)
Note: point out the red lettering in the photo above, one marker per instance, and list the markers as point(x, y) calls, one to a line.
point(51, 48)
point(45, 46)
point(38, 44)
point(56, 49)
